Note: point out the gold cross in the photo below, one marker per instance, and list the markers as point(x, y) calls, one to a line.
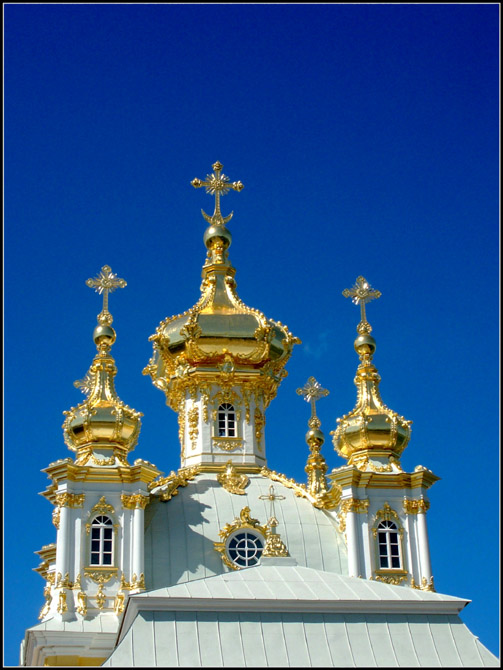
point(217, 184)
point(312, 391)
point(106, 282)
point(362, 293)
point(272, 497)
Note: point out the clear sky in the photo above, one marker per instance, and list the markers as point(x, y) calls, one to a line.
point(367, 140)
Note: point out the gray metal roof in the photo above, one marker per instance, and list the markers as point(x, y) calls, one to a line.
point(179, 533)
point(284, 615)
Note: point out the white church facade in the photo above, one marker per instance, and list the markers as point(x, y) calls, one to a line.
point(225, 562)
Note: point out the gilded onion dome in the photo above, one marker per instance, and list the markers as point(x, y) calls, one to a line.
point(372, 436)
point(219, 332)
point(102, 429)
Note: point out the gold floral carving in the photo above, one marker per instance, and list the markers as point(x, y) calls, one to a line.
point(100, 575)
point(259, 426)
point(102, 507)
point(274, 545)
point(100, 597)
point(415, 506)
point(137, 582)
point(48, 600)
point(425, 584)
point(243, 521)
point(181, 430)
point(193, 421)
point(227, 443)
point(232, 481)
point(326, 501)
point(81, 603)
point(62, 605)
point(394, 580)
point(119, 603)
point(170, 484)
point(63, 582)
point(56, 515)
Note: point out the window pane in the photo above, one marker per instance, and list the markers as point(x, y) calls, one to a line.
point(107, 533)
point(95, 559)
point(393, 537)
point(107, 545)
point(95, 545)
point(395, 562)
point(384, 562)
point(394, 550)
point(107, 559)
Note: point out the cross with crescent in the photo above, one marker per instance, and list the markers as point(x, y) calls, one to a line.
point(106, 282)
point(217, 184)
point(272, 497)
point(362, 293)
point(312, 391)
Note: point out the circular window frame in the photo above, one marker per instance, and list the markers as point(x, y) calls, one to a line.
point(248, 533)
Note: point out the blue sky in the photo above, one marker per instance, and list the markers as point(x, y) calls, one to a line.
point(367, 140)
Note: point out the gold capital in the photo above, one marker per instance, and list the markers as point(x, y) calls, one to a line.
point(217, 184)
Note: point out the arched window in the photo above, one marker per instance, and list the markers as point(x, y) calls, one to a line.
point(226, 420)
point(245, 548)
point(102, 538)
point(389, 545)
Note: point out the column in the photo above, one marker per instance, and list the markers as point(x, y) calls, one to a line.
point(424, 548)
point(352, 544)
point(63, 542)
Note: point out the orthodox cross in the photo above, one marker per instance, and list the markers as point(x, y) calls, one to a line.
point(313, 391)
point(106, 282)
point(272, 497)
point(217, 184)
point(362, 293)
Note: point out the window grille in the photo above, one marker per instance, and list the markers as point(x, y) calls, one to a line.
point(102, 537)
point(245, 548)
point(389, 545)
point(226, 420)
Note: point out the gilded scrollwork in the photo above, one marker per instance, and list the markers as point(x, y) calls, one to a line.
point(70, 499)
point(358, 505)
point(134, 501)
point(81, 603)
point(62, 606)
point(166, 487)
point(232, 481)
point(102, 507)
point(227, 443)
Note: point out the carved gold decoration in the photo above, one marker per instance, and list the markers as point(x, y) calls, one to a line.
point(48, 600)
point(136, 500)
point(415, 506)
point(244, 521)
point(425, 584)
point(119, 603)
point(56, 515)
point(259, 420)
point(137, 582)
point(328, 501)
point(82, 603)
point(274, 545)
point(100, 575)
point(62, 605)
point(168, 485)
point(102, 507)
point(227, 443)
point(63, 582)
point(100, 597)
point(395, 580)
point(70, 499)
point(193, 421)
point(232, 481)
point(360, 506)
point(181, 430)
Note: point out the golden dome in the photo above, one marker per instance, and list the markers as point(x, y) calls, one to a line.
point(371, 436)
point(219, 333)
point(102, 429)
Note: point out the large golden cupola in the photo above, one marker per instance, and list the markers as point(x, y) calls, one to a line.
point(372, 436)
point(102, 430)
point(220, 355)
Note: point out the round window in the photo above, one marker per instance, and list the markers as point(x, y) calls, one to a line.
point(245, 548)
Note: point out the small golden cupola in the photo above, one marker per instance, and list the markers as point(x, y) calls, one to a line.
point(372, 437)
point(102, 430)
point(220, 355)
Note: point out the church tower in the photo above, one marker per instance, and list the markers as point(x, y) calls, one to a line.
point(99, 501)
point(220, 363)
point(382, 508)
